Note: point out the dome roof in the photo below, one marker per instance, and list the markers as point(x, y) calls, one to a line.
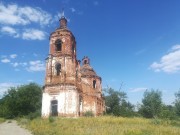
point(87, 71)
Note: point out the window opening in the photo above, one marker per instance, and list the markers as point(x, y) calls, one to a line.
point(58, 45)
point(94, 84)
point(58, 69)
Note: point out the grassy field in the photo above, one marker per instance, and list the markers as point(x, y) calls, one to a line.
point(105, 125)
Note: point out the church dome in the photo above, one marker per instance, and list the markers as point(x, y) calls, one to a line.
point(87, 71)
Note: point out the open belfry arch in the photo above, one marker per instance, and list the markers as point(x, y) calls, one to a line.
point(70, 89)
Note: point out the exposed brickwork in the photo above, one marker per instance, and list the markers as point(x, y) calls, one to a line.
point(76, 88)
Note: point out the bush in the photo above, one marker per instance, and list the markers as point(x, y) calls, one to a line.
point(34, 115)
point(168, 112)
point(51, 119)
point(88, 114)
point(156, 121)
point(23, 121)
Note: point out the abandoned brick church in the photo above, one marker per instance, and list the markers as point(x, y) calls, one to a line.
point(70, 89)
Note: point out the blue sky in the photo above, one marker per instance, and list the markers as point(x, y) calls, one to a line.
point(135, 43)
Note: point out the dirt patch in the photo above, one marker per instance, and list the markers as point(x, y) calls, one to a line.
point(12, 128)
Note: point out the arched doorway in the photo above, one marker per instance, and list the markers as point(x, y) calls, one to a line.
point(54, 108)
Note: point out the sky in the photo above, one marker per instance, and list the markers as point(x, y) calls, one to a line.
point(133, 45)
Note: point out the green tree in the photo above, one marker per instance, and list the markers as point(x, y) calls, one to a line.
point(21, 101)
point(177, 103)
point(151, 104)
point(168, 112)
point(117, 104)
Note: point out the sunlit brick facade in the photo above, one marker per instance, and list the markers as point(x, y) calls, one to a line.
point(70, 89)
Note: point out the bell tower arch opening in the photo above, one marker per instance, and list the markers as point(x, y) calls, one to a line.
point(86, 60)
point(58, 45)
point(58, 69)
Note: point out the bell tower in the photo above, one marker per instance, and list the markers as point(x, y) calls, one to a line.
point(61, 62)
point(61, 74)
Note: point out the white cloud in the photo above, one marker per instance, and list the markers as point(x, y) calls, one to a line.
point(175, 47)
point(23, 64)
point(36, 66)
point(10, 31)
point(9, 15)
point(59, 15)
point(12, 14)
point(27, 34)
point(5, 86)
point(169, 63)
point(138, 89)
point(5, 60)
point(73, 10)
point(13, 56)
point(33, 34)
point(36, 15)
point(16, 64)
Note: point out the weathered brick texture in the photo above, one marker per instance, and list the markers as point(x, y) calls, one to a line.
point(75, 88)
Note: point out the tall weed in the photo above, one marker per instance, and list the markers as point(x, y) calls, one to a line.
point(105, 125)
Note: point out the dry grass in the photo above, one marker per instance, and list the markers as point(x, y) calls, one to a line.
point(105, 125)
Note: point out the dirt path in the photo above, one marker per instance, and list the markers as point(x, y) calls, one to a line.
point(12, 128)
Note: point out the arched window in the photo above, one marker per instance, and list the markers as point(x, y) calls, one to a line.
point(80, 100)
point(58, 45)
point(85, 62)
point(94, 84)
point(58, 69)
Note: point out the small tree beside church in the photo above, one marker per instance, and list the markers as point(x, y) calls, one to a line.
point(117, 104)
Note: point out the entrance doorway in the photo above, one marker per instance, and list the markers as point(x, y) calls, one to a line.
point(54, 108)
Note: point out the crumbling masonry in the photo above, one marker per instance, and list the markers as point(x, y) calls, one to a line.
point(70, 89)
